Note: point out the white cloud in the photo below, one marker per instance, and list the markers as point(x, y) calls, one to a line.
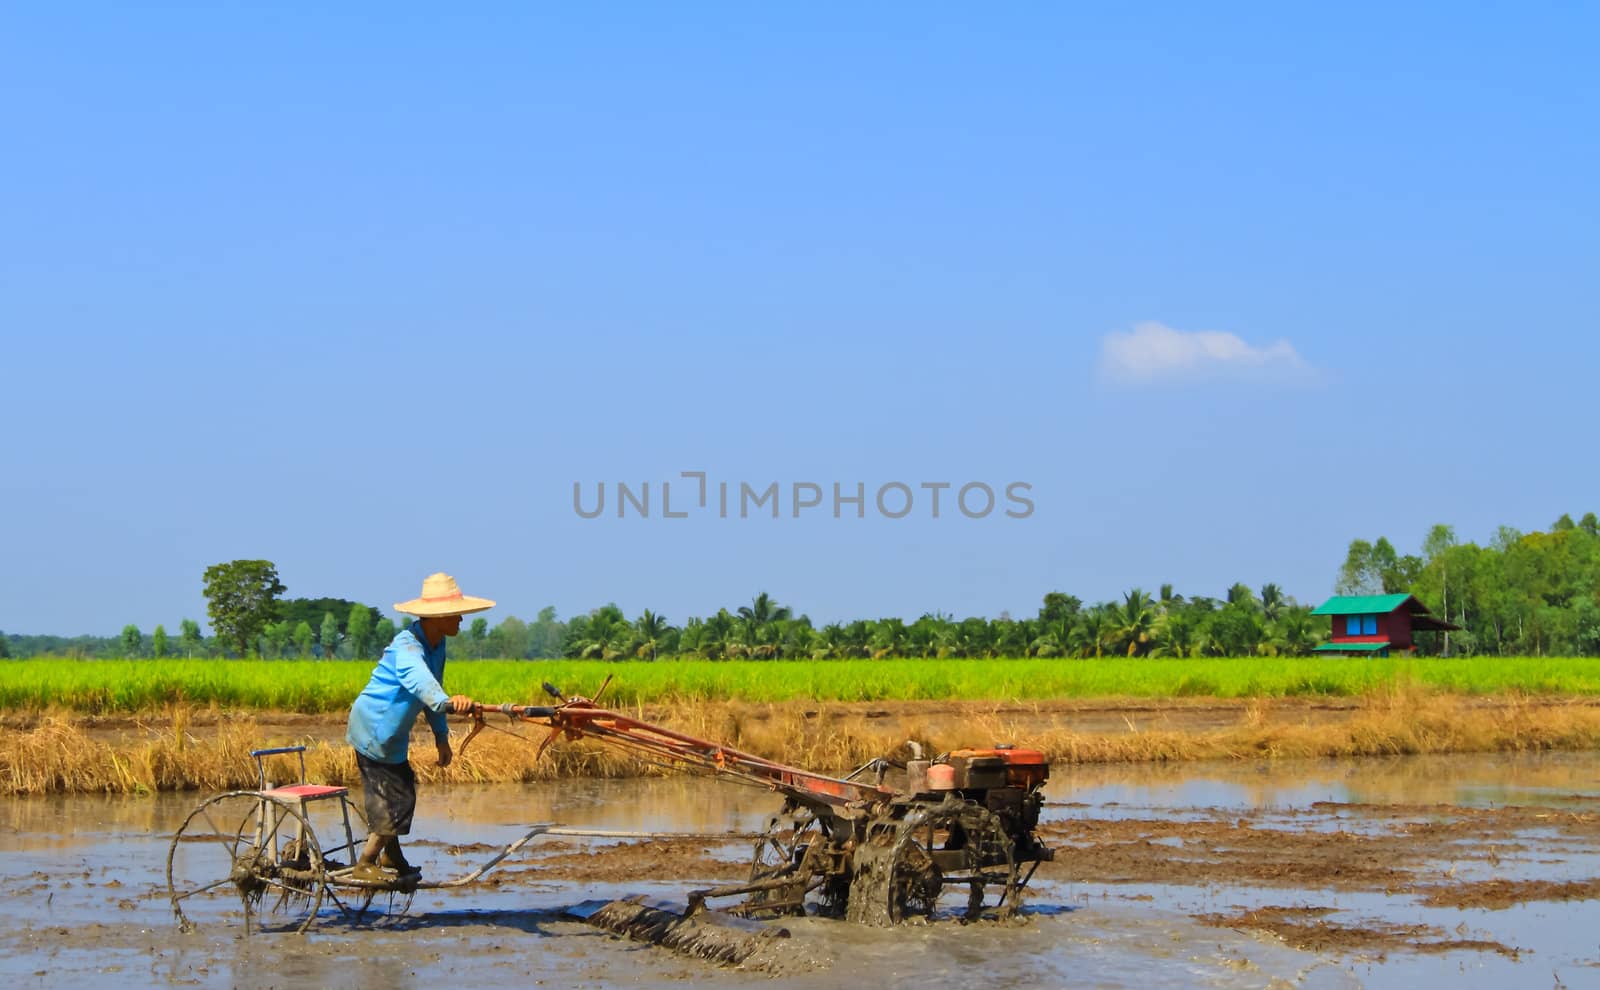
point(1153, 352)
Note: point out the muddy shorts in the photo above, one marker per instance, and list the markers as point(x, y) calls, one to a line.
point(391, 795)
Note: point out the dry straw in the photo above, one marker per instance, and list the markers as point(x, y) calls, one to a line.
point(58, 755)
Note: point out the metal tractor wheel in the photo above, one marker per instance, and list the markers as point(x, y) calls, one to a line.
point(784, 851)
point(906, 868)
point(244, 854)
point(803, 847)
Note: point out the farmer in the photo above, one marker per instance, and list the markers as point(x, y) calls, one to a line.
point(407, 680)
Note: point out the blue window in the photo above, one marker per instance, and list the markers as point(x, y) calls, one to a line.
point(1352, 625)
point(1369, 625)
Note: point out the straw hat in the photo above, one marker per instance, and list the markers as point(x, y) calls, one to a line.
point(442, 596)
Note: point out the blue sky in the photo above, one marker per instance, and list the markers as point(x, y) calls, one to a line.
point(365, 291)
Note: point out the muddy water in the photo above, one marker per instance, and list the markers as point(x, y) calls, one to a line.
point(85, 900)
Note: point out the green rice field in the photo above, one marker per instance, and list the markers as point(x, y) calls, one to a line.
point(107, 686)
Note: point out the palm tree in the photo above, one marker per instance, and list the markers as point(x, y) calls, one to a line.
point(590, 644)
point(922, 636)
point(1089, 633)
point(1132, 622)
point(796, 638)
point(1173, 635)
point(828, 642)
point(1235, 630)
point(714, 635)
point(1240, 594)
point(652, 628)
point(974, 638)
point(617, 631)
point(762, 611)
point(1053, 639)
point(1294, 633)
point(1272, 601)
point(1012, 637)
point(689, 639)
point(887, 637)
point(853, 638)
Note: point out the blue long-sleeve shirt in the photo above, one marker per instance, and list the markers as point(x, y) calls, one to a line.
point(407, 680)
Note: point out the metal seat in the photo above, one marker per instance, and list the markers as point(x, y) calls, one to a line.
point(305, 792)
point(300, 794)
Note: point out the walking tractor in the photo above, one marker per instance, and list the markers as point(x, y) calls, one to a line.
point(888, 843)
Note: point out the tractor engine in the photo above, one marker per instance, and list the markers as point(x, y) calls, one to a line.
point(1007, 782)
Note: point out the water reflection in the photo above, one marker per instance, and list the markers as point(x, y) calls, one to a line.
point(1474, 780)
point(697, 804)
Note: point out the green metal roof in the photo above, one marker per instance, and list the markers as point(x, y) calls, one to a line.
point(1350, 647)
point(1360, 604)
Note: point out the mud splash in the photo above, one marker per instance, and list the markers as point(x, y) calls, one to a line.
point(703, 936)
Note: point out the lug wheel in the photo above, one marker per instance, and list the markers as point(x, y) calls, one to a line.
point(911, 869)
point(244, 857)
point(786, 850)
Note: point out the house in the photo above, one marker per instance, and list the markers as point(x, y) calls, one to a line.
point(1373, 625)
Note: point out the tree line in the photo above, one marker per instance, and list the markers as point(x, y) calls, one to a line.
point(1521, 594)
point(279, 640)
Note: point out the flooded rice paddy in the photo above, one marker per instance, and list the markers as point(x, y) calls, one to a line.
point(1480, 871)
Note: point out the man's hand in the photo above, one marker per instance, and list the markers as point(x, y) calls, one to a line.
point(460, 704)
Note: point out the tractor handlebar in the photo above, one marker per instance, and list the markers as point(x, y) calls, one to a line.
point(515, 711)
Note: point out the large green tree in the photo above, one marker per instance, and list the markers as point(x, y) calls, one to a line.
point(158, 642)
point(328, 636)
point(545, 634)
point(277, 636)
point(477, 633)
point(509, 639)
point(303, 638)
point(1377, 569)
point(358, 629)
point(1058, 607)
point(240, 599)
point(311, 610)
point(189, 638)
point(132, 640)
point(1524, 593)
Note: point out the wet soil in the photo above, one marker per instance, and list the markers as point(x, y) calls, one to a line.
point(1396, 850)
point(1305, 928)
point(1352, 847)
point(1344, 847)
point(1253, 884)
point(662, 860)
